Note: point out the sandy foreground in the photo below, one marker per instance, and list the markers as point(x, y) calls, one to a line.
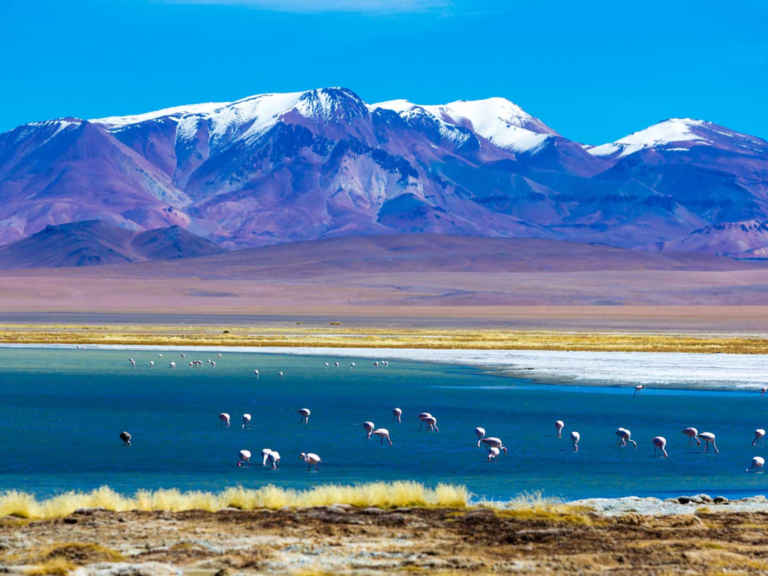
point(341, 539)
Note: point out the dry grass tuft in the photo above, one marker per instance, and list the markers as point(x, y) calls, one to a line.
point(535, 506)
point(379, 494)
point(55, 567)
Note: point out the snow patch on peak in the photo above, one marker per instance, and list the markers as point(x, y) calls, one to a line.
point(499, 120)
point(667, 132)
point(176, 112)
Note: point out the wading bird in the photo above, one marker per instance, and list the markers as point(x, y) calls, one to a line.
point(246, 421)
point(126, 438)
point(639, 388)
point(151, 363)
point(369, 426)
point(172, 365)
point(491, 442)
point(431, 423)
point(692, 434)
point(256, 373)
point(245, 457)
point(708, 438)
point(763, 391)
point(304, 415)
point(480, 433)
point(274, 457)
point(396, 414)
point(757, 464)
point(132, 361)
point(224, 417)
point(280, 374)
point(660, 444)
point(559, 425)
point(311, 459)
point(422, 416)
point(493, 453)
point(382, 433)
point(375, 364)
point(575, 437)
point(265, 456)
point(759, 434)
point(625, 436)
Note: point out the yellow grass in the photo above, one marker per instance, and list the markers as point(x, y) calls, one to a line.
point(341, 337)
point(534, 506)
point(380, 494)
point(55, 567)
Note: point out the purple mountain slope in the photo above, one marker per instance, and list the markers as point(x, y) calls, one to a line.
point(96, 242)
point(277, 168)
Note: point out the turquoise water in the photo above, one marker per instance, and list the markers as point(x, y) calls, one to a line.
point(62, 411)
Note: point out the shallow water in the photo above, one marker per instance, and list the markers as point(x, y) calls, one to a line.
point(62, 411)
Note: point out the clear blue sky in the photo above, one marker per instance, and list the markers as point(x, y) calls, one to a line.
point(593, 70)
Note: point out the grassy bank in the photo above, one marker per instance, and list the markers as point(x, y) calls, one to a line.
point(379, 494)
point(340, 337)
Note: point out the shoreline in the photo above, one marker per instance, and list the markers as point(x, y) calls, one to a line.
point(668, 370)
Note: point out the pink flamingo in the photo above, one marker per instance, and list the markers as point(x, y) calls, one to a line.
point(575, 437)
point(383, 433)
point(422, 416)
point(304, 415)
point(559, 425)
point(493, 453)
point(224, 417)
point(708, 438)
point(246, 421)
point(692, 434)
point(369, 426)
point(625, 436)
point(763, 390)
point(639, 388)
point(431, 423)
point(172, 364)
point(491, 442)
point(480, 433)
point(396, 414)
point(759, 434)
point(265, 453)
point(375, 364)
point(274, 455)
point(256, 373)
point(132, 361)
point(757, 464)
point(126, 438)
point(660, 443)
point(245, 456)
point(311, 459)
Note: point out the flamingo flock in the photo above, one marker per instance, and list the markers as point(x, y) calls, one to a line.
point(493, 445)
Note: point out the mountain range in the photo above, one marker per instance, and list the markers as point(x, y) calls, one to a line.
point(277, 168)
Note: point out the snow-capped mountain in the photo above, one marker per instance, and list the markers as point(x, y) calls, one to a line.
point(276, 168)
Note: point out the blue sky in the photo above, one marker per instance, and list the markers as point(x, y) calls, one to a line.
point(594, 70)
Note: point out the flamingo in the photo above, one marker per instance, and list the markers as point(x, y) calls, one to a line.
point(386, 364)
point(327, 365)
point(245, 456)
point(757, 464)
point(559, 425)
point(431, 423)
point(132, 361)
point(256, 372)
point(274, 455)
point(639, 388)
point(336, 364)
point(351, 365)
point(246, 421)
point(183, 355)
point(265, 453)
point(369, 426)
point(709, 437)
point(375, 364)
point(172, 365)
point(660, 444)
point(575, 437)
point(311, 459)
point(280, 374)
point(491, 442)
point(126, 438)
point(218, 355)
point(151, 363)
point(493, 453)
point(159, 355)
point(763, 390)
point(625, 436)
point(480, 433)
point(383, 433)
point(396, 414)
point(759, 433)
point(213, 364)
point(224, 417)
point(422, 416)
point(692, 434)
point(304, 415)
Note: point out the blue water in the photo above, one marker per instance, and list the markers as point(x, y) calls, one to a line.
point(62, 411)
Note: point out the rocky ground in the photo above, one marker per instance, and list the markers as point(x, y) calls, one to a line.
point(340, 539)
